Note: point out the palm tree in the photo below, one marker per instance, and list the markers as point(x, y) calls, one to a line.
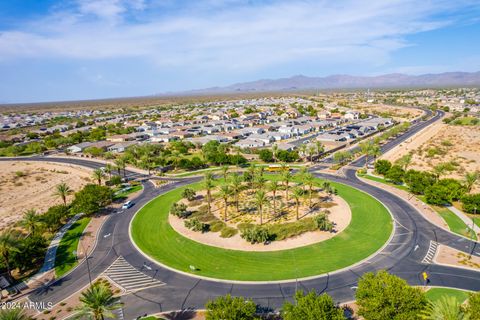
point(13, 314)
point(470, 179)
point(274, 152)
point(303, 148)
point(209, 186)
point(98, 302)
point(236, 186)
point(121, 164)
point(260, 182)
point(297, 195)
point(309, 180)
point(273, 187)
point(251, 172)
point(286, 177)
point(30, 220)
point(62, 190)
point(375, 152)
point(446, 308)
point(98, 175)
point(8, 245)
point(225, 192)
point(320, 148)
point(261, 200)
point(108, 170)
point(311, 151)
point(405, 161)
point(365, 149)
point(302, 174)
point(225, 172)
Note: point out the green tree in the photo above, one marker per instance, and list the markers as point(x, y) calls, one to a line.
point(260, 200)
point(404, 161)
point(297, 195)
point(287, 178)
point(266, 155)
point(473, 306)
point(383, 296)
point(446, 308)
point(311, 307)
point(274, 152)
point(30, 220)
point(309, 180)
point(225, 172)
point(188, 194)
point(419, 181)
point(98, 175)
point(395, 174)
point(8, 245)
point(382, 166)
point(208, 184)
point(231, 308)
point(225, 193)
point(13, 314)
point(273, 187)
point(97, 302)
point(470, 202)
point(236, 187)
point(470, 179)
point(121, 164)
point(320, 148)
point(62, 190)
point(91, 199)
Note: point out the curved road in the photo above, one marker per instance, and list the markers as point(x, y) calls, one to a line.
point(402, 256)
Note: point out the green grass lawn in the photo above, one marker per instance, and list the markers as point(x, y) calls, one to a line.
point(455, 224)
point(435, 294)
point(381, 180)
point(124, 194)
point(65, 259)
point(369, 229)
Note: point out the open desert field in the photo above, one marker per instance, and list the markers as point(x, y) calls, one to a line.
point(30, 185)
point(455, 147)
point(396, 112)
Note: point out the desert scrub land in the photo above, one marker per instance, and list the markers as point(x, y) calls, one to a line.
point(30, 185)
point(396, 112)
point(450, 150)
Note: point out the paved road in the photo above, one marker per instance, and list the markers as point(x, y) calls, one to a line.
point(403, 256)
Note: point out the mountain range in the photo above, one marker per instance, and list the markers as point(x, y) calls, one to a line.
point(393, 80)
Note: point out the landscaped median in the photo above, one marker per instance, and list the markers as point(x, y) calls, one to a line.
point(369, 229)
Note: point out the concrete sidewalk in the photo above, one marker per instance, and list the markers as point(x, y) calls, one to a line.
point(466, 219)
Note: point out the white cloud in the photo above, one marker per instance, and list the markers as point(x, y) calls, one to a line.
point(229, 34)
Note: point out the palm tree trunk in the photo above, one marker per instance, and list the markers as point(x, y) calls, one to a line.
point(261, 215)
point(274, 204)
point(298, 206)
point(208, 201)
point(225, 212)
point(7, 265)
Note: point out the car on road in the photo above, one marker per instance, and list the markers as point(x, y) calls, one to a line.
point(127, 205)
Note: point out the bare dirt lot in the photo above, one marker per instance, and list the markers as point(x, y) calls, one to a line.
point(458, 147)
point(30, 185)
point(397, 113)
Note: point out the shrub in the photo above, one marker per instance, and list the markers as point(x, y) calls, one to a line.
point(189, 194)
point(216, 226)
point(228, 232)
point(266, 155)
point(283, 231)
point(382, 166)
point(179, 210)
point(395, 174)
point(256, 235)
point(195, 225)
point(322, 222)
point(418, 181)
point(470, 202)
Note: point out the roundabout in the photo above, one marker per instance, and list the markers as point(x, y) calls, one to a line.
point(369, 229)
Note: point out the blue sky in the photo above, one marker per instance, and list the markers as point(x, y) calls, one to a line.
point(87, 49)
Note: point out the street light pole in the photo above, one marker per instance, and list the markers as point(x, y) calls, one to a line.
point(88, 264)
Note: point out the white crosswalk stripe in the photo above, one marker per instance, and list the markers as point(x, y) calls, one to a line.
point(130, 278)
point(432, 249)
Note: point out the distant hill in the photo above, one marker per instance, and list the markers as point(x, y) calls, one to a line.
point(393, 80)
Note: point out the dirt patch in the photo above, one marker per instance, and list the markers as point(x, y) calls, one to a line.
point(30, 185)
point(456, 146)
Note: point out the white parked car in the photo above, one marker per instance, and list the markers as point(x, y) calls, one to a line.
point(127, 205)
